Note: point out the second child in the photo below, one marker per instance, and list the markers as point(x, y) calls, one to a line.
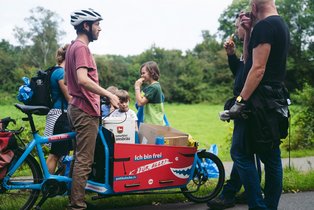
point(151, 96)
point(124, 109)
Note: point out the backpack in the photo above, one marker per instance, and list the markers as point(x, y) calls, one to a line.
point(7, 146)
point(37, 91)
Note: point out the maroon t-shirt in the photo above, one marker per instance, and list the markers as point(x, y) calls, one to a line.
point(78, 56)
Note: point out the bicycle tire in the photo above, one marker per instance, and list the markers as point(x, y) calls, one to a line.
point(22, 199)
point(209, 187)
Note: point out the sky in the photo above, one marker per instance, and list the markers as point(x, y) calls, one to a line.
point(129, 26)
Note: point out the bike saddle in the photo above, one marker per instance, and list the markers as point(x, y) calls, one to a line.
point(37, 110)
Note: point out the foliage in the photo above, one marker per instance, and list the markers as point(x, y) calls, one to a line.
point(7, 64)
point(40, 42)
point(299, 15)
point(304, 119)
point(198, 75)
point(228, 17)
point(296, 181)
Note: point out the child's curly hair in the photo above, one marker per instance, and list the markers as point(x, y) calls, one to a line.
point(60, 54)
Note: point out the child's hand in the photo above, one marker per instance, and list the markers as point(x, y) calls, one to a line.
point(139, 82)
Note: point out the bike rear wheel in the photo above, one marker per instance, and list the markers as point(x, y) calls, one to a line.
point(28, 173)
point(208, 182)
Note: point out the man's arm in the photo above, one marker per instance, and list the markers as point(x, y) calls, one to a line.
point(93, 87)
point(256, 73)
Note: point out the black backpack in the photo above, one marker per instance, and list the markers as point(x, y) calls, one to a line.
point(40, 85)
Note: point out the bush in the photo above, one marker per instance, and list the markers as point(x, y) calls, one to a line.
point(303, 119)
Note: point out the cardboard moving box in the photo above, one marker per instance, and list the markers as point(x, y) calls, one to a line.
point(122, 128)
point(172, 137)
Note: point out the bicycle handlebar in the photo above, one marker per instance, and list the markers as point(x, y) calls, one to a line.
point(6, 121)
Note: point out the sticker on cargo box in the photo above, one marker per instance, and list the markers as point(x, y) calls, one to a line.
point(122, 178)
point(182, 173)
point(148, 156)
point(150, 166)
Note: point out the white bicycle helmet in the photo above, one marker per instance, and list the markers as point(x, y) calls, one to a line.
point(80, 16)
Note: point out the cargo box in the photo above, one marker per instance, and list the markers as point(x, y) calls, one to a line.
point(173, 137)
point(142, 166)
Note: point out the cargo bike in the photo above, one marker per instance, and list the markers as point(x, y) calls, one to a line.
point(119, 169)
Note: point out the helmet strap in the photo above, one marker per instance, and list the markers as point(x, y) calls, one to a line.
point(89, 33)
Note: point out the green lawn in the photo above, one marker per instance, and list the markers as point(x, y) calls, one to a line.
point(199, 120)
point(202, 122)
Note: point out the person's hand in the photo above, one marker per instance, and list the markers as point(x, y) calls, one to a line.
point(246, 21)
point(236, 111)
point(230, 46)
point(114, 100)
point(224, 116)
point(139, 83)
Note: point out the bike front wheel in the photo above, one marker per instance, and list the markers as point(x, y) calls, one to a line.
point(28, 173)
point(208, 179)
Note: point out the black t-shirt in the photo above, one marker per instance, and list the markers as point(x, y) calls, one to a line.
point(274, 31)
point(236, 66)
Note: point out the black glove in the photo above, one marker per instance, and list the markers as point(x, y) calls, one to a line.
point(237, 111)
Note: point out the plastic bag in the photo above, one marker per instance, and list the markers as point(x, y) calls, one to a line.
point(211, 167)
point(25, 92)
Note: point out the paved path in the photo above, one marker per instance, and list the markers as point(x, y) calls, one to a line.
point(301, 164)
point(288, 201)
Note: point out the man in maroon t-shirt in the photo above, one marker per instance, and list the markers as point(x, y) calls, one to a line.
point(84, 108)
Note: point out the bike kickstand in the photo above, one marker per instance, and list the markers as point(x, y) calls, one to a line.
point(41, 202)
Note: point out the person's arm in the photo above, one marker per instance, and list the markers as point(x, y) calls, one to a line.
point(245, 45)
point(256, 73)
point(65, 78)
point(136, 127)
point(64, 90)
point(246, 23)
point(140, 100)
point(93, 87)
point(233, 60)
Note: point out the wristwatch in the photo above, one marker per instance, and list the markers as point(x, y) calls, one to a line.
point(240, 100)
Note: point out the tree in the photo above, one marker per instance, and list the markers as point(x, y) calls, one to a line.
point(227, 18)
point(40, 41)
point(7, 65)
point(299, 15)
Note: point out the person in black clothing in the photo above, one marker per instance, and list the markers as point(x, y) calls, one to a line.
point(265, 96)
point(227, 198)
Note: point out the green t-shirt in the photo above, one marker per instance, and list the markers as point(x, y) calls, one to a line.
point(154, 109)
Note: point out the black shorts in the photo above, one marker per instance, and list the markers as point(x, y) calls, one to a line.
point(61, 148)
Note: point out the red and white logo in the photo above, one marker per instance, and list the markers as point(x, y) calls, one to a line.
point(120, 129)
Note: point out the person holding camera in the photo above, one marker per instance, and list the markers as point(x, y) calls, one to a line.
point(228, 198)
point(265, 96)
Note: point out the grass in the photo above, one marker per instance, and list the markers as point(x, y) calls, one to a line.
point(199, 120)
point(202, 122)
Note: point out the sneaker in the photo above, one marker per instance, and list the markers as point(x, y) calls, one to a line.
point(90, 206)
point(220, 203)
point(241, 198)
